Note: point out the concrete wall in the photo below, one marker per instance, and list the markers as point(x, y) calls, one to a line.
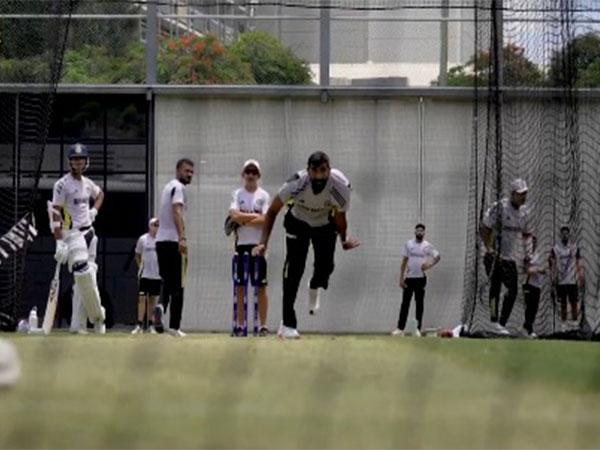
point(407, 159)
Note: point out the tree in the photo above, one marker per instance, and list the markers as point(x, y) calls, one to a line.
point(23, 38)
point(270, 60)
point(194, 59)
point(517, 70)
point(577, 63)
point(96, 65)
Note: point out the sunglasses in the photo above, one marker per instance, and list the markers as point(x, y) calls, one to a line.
point(155, 224)
point(251, 172)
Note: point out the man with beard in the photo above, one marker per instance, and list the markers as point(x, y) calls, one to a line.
point(171, 248)
point(319, 197)
point(503, 225)
point(418, 256)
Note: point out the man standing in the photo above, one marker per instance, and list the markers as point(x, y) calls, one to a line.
point(248, 207)
point(418, 256)
point(171, 247)
point(319, 197)
point(536, 277)
point(567, 274)
point(149, 276)
point(76, 244)
point(504, 223)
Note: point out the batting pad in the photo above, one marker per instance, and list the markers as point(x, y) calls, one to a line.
point(90, 297)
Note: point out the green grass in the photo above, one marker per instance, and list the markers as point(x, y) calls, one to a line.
point(212, 391)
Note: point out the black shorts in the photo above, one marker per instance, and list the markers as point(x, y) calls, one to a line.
point(567, 291)
point(150, 287)
point(262, 265)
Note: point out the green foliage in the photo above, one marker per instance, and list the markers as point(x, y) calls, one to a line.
point(115, 35)
point(33, 69)
point(195, 59)
point(577, 64)
point(23, 38)
point(271, 61)
point(95, 65)
point(517, 70)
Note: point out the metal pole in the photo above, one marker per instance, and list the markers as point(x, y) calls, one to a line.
point(443, 77)
point(498, 28)
point(151, 42)
point(325, 44)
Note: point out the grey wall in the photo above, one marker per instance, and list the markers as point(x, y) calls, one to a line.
point(407, 159)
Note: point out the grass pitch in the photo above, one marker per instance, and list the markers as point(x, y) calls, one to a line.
point(210, 390)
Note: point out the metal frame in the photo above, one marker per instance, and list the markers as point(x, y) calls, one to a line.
point(455, 93)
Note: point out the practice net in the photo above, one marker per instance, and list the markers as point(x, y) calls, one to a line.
point(536, 118)
point(44, 41)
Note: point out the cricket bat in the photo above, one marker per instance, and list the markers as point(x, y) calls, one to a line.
point(52, 301)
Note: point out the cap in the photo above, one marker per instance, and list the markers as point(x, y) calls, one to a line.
point(78, 151)
point(251, 162)
point(518, 185)
point(153, 220)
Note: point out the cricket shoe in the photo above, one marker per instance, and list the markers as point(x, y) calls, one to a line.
point(263, 332)
point(499, 329)
point(314, 300)
point(397, 332)
point(158, 319)
point(99, 324)
point(177, 333)
point(287, 332)
point(81, 331)
point(238, 331)
point(152, 330)
point(417, 333)
point(529, 335)
point(137, 330)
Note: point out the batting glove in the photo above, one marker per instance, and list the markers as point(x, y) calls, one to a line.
point(62, 252)
point(93, 214)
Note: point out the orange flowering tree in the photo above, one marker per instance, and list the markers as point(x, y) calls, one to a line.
point(193, 59)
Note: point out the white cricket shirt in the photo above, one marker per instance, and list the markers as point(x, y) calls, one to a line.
point(249, 202)
point(417, 254)
point(146, 247)
point(314, 209)
point(75, 196)
point(173, 193)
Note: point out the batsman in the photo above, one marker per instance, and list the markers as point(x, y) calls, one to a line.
point(76, 241)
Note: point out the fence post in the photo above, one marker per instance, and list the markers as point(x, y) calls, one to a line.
point(324, 44)
point(151, 41)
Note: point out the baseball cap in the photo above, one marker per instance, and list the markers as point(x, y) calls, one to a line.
point(152, 221)
point(251, 162)
point(518, 185)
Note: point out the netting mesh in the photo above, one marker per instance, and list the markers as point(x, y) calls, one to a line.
point(545, 132)
point(533, 66)
point(18, 189)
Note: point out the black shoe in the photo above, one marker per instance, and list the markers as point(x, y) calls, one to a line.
point(263, 332)
point(238, 332)
point(157, 319)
